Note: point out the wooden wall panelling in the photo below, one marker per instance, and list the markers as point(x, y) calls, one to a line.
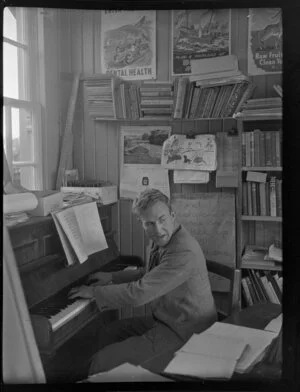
point(163, 18)
point(76, 40)
point(78, 135)
point(88, 42)
point(100, 148)
point(125, 227)
point(97, 41)
point(175, 188)
point(240, 40)
point(52, 126)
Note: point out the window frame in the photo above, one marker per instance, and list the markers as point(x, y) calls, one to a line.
point(28, 72)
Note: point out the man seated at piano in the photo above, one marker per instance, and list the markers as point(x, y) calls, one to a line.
point(175, 284)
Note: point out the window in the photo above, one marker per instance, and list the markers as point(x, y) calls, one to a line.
point(21, 110)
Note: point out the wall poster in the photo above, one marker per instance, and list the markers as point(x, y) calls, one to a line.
point(128, 44)
point(141, 149)
point(264, 41)
point(198, 34)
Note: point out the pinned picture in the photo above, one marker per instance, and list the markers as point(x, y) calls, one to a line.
point(128, 44)
point(265, 41)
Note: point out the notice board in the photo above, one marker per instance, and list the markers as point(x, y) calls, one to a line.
point(210, 218)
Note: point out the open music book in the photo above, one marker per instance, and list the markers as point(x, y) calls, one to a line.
point(221, 350)
point(80, 231)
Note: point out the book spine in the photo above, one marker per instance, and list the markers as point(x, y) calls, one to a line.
point(189, 100)
point(262, 287)
point(244, 199)
point(279, 197)
point(207, 103)
point(243, 149)
point(251, 290)
point(216, 91)
point(202, 102)
point(273, 148)
point(194, 102)
point(276, 289)
point(251, 148)
point(262, 198)
point(262, 152)
point(267, 288)
point(254, 196)
point(268, 147)
point(234, 99)
point(256, 134)
point(273, 196)
point(248, 153)
point(249, 198)
point(247, 292)
point(247, 94)
point(278, 148)
point(268, 210)
point(256, 284)
point(228, 91)
point(180, 98)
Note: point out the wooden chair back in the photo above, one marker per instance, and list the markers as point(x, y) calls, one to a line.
point(226, 302)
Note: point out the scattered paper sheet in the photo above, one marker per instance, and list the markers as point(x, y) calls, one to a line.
point(199, 153)
point(207, 343)
point(275, 324)
point(190, 177)
point(202, 366)
point(258, 341)
point(127, 373)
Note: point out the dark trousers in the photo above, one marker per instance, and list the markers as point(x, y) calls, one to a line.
point(140, 341)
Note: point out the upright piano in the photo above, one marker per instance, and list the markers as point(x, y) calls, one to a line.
point(47, 279)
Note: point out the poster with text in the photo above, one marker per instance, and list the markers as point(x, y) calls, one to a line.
point(264, 41)
point(198, 34)
point(128, 44)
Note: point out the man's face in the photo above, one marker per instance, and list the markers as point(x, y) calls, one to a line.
point(158, 223)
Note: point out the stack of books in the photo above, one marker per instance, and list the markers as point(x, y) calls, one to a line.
point(255, 256)
point(217, 97)
point(127, 101)
point(261, 286)
point(99, 95)
point(262, 107)
point(261, 148)
point(156, 100)
point(262, 198)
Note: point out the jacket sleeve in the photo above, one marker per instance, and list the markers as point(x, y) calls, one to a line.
point(174, 269)
point(127, 276)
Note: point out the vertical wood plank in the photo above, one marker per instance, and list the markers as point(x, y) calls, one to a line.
point(125, 227)
point(88, 41)
point(113, 153)
point(97, 41)
point(76, 40)
point(162, 44)
point(100, 150)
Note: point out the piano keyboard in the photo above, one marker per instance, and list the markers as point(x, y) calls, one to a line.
point(61, 309)
point(68, 313)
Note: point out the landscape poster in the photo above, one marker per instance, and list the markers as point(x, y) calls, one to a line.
point(141, 151)
point(264, 41)
point(198, 34)
point(128, 44)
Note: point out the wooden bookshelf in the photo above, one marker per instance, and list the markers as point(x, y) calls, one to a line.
point(253, 199)
point(261, 218)
point(262, 168)
point(249, 265)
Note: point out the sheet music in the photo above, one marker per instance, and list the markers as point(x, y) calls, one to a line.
point(68, 221)
point(90, 227)
point(69, 252)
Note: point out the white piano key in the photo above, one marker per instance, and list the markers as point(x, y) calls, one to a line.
point(66, 314)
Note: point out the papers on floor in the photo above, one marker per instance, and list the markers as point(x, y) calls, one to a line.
point(221, 350)
point(127, 373)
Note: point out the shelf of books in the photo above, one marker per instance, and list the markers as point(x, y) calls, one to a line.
point(259, 217)
point(108, 97)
